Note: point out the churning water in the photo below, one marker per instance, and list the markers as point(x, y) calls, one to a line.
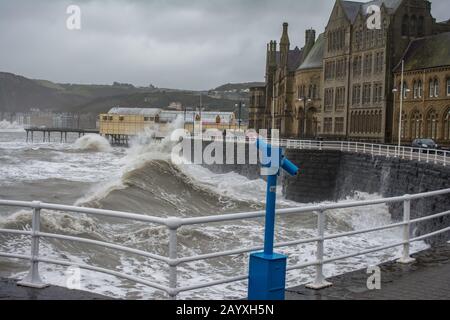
point(142, 179)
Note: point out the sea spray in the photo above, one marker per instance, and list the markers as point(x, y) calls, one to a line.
point(93, 142)
point(10, 126)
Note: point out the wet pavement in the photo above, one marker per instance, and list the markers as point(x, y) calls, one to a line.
point(9, 290)
point(428, 278)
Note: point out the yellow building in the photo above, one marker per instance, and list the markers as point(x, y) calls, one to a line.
point(121, 123)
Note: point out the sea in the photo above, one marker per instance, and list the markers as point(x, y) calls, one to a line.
point(142, 179)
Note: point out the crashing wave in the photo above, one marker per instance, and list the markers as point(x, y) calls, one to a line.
point(93, 142)
point(10, 126)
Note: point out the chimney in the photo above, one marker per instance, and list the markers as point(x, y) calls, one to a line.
point(310, 40)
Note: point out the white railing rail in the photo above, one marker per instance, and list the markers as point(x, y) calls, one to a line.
point(173, 289)
point(441, 157)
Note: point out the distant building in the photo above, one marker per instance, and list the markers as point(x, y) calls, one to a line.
point(132, 121)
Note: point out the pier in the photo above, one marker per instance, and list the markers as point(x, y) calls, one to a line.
point(46, 133)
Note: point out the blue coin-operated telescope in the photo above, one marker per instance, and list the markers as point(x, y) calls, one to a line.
point(267, 270)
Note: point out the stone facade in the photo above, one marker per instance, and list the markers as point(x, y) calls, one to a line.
point(355, 101)
point(426, 91)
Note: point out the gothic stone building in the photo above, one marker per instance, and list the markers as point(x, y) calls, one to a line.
point(426, 91)
point(354, 100)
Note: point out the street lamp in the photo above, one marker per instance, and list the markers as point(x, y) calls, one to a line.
point(305, 100)
point(240, 105)
point(402, 95)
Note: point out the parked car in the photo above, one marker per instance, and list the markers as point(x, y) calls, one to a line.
point(425, 144)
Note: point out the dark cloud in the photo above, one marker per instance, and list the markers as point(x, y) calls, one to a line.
point(189, 44)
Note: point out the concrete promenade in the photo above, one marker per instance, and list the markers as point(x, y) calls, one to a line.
point(426, 279)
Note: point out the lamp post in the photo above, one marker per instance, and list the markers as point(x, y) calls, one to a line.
point(394, 91)
point(240, 105)
point(304, 100)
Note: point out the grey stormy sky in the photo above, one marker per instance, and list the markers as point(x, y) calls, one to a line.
point(188, 44)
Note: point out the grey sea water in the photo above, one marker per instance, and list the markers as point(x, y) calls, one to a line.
point(142, 179)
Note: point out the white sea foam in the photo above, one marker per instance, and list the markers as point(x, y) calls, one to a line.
point(93, 142)
point(6, 126)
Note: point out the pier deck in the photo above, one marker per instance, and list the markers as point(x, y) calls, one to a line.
point(46, 133)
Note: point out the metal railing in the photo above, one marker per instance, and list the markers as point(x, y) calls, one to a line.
point(441, 157)
point(173, 260)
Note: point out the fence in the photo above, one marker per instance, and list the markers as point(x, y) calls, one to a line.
point(173, 260)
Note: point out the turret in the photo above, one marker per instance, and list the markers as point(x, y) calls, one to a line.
point(310, 40)
point(284, 45)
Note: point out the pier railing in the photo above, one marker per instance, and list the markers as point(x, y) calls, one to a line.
point(173, 260)
point(435, 156)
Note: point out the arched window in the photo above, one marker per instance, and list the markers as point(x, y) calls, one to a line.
point(416, 125)
point(404, 125)
point(431, 88)
point(420, 27)
point(436, 88)
point(413, 28)
point(447, 125)
point(405, 25)
point(315, 92)
point(420, 88)
point(415, 89)
point(405, 90)
point(432, 124)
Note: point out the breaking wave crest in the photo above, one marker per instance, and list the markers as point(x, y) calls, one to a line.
point(93, 142)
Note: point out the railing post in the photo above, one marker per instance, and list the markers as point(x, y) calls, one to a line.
point(320, 282)
point(33, 279)
point(406, 258)
point(173, 226)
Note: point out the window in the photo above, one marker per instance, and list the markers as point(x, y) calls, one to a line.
point(104, 118)
point(367, 89)
point(413, 29)
point(420, 89)
point(356, 94)
point(405, 25)
point(448, 87)
point(431, 89)
point(415, 88)
point(436, 88)
point(340, 97)
point(110, 118)
point(416, 125)
point(339, 125)
point(121, 118)
point(432, 125)
point(357, 66)
point(368, 64)
point(447, 126)
point(420, 27)
point(405, 90)
point(329, 93)
point(378, 93)
point(328, 125)
point(404, 124)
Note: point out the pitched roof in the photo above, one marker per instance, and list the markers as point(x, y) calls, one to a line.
point(295, 58)
point(315, 57)
point(428, 52)
point(151, 112)
point(351, 9)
